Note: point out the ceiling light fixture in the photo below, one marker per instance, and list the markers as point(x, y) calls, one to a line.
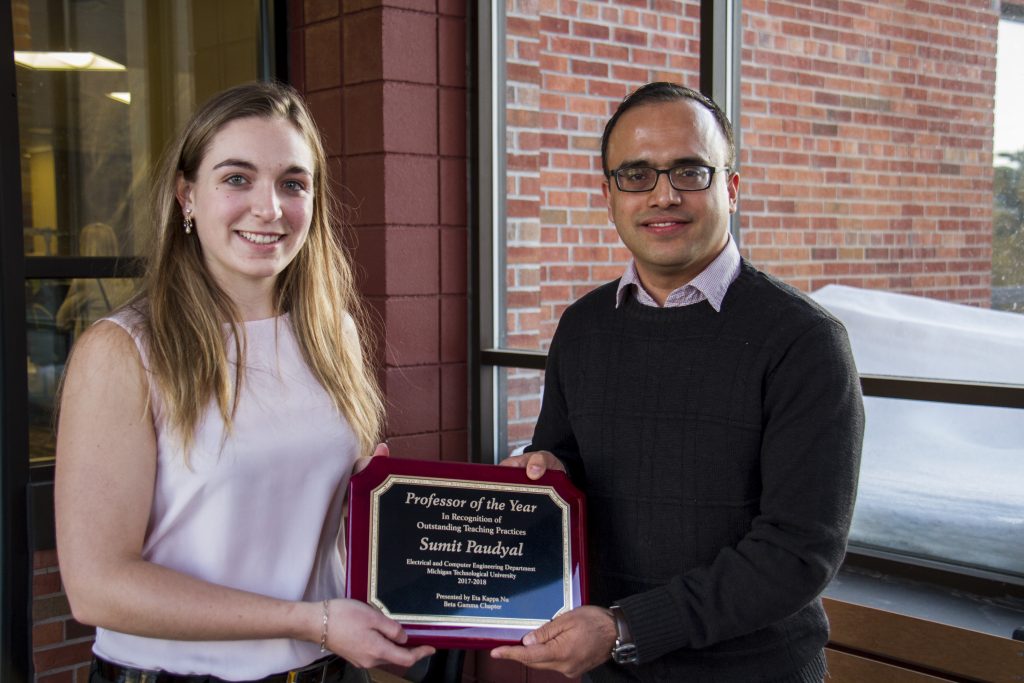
point(66, 61)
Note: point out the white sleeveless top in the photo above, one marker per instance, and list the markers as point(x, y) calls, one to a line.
point(259, 510)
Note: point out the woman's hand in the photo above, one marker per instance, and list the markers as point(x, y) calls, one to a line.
point(362, 461)
point(365, 637)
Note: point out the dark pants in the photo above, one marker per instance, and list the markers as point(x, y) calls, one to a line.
point(344, 674)
point(813, 672)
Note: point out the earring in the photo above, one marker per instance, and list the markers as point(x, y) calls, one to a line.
point(188, 222)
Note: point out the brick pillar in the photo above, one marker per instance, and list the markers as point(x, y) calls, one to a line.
point(386, 82)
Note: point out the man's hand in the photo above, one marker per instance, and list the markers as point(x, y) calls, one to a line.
point(536, 463)
point(571, 644)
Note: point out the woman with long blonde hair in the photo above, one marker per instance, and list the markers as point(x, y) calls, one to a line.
point(208, 429)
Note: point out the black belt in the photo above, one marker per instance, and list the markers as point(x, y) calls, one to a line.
point(318, 672)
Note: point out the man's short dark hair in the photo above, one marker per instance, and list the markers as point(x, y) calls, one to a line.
point(662, 91)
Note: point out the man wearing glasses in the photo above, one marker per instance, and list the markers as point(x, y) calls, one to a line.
point(713, 416)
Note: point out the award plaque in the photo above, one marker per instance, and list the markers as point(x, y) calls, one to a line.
point(464, 555)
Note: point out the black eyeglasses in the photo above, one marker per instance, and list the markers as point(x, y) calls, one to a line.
point(685, 177)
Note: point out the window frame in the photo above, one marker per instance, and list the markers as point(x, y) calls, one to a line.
point(15, 550)
point(719, 78)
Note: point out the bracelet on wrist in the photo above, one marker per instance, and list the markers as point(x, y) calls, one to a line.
point(323, 633)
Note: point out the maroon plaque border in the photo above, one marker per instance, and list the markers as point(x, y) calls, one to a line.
point(463, 636)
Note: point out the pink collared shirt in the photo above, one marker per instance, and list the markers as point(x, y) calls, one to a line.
point(711, 283)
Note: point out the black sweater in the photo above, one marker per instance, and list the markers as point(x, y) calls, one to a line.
point(719, 453)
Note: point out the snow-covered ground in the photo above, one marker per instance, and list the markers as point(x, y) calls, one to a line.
point(943, 481)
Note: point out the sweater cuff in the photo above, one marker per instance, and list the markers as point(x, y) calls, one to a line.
point(654, 622)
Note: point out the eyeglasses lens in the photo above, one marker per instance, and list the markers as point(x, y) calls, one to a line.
point(644, 179)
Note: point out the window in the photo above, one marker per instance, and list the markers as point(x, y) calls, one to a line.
point(102, 86)
point(565, 70)
point(869, 176)
point(1008, 173)
point(868, 182)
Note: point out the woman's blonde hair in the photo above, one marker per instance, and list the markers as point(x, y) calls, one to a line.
point(187, 312)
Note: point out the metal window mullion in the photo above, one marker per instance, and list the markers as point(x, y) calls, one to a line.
point(720, 50)
point(719, 56)
point(59, 267)
point(15, 548)
point(490, 214)
point(955, 392)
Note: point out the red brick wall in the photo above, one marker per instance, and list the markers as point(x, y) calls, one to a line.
point(61, 646)
point(867, 144)
point(386, 81)
point(567, 69)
